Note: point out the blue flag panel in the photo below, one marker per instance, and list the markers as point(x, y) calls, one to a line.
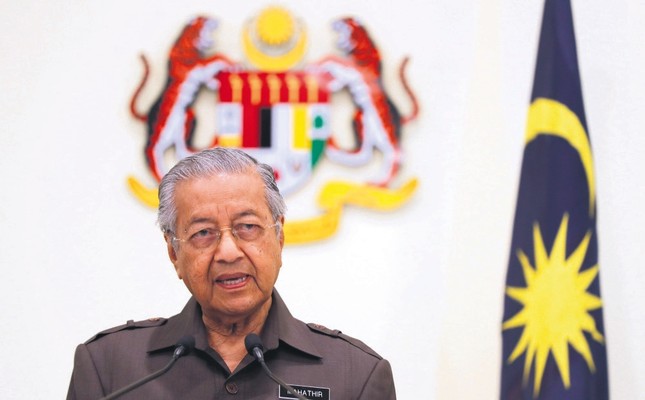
point(553, 335)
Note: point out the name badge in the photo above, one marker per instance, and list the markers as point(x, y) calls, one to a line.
point(310, 392)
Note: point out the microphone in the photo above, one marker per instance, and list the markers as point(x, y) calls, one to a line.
point(183, 347)
point(255, 348)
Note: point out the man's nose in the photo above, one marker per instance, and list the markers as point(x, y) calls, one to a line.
point(228, 249)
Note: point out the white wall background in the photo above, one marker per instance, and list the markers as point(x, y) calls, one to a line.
point(422, 285)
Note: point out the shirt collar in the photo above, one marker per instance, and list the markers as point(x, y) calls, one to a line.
point(187, 323)
point(280, 326)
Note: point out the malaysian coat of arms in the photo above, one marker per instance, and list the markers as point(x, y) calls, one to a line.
point(279, 111)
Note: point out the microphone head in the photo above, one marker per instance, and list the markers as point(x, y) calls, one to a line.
point(184, 345)
point(252, 341)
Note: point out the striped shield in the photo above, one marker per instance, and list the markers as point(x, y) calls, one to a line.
point(281, 119)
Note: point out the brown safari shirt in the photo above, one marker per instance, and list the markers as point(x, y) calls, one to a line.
point(322, 364)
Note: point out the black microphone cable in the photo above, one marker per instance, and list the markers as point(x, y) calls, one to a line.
point(183, 347)
point(255, 348)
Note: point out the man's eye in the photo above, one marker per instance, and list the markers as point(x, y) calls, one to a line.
point(246, 228)
point(248, 231)
point(204, 234)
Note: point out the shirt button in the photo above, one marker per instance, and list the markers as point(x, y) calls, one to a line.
point(231, 388)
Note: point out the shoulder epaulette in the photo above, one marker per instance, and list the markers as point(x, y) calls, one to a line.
point(324, 330)
point(131, 324)
point(335, 333)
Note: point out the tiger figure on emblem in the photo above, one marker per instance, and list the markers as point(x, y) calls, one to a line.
point(171, 121)
point(377, 122)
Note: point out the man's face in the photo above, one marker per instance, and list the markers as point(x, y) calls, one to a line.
point(231, 278)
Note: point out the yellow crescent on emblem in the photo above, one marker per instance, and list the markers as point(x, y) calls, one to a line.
point(274, 41)
point(550, 117)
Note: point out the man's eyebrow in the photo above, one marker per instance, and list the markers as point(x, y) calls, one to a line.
point(245, 213)
point(200, 220)
point(241, 214)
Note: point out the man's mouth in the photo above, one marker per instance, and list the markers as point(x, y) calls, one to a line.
point(232, 281)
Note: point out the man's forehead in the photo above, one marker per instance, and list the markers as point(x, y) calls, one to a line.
point(222, 195)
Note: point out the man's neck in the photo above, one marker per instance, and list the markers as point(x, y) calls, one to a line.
point(226, 335)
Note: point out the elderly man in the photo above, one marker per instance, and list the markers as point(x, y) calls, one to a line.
point(221, 215)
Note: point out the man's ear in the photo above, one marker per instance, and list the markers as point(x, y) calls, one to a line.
point(281, 232)
point(172, 253)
